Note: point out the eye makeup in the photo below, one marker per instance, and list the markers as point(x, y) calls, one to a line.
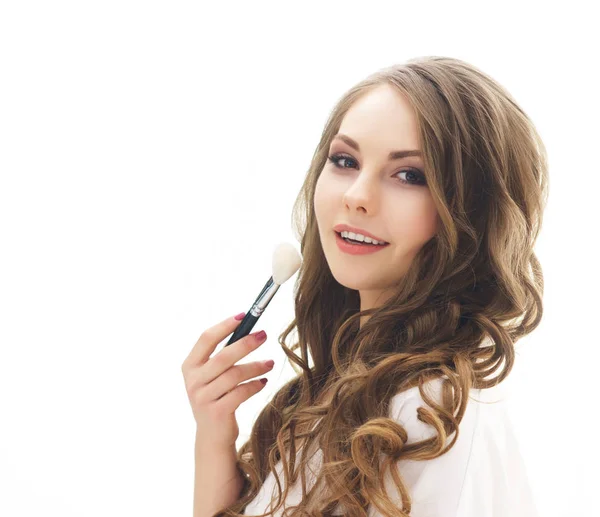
point(415, 173)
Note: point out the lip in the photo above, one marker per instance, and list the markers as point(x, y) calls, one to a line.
point(356, 249)
point(346, 228)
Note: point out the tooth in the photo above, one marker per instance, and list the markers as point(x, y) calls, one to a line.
point(359, 238)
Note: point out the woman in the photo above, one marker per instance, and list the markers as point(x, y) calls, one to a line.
point(435, 160)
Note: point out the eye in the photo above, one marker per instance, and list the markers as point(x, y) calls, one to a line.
point(416, 174)
point(335, 158)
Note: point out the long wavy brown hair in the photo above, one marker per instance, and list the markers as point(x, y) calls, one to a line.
point(470, 293)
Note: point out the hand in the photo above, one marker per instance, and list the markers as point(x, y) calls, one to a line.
point(213, 383)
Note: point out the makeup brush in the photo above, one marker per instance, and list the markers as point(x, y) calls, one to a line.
point(286, 261)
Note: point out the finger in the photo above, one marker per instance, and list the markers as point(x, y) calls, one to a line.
point(208, 341)
point(232, 378)
point(226, 358)
point(233, 399)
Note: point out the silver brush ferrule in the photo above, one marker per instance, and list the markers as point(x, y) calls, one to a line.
point(264, 299)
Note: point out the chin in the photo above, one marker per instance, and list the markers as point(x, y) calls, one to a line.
point(350, 280)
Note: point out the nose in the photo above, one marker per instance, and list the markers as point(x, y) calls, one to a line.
point(363, 194)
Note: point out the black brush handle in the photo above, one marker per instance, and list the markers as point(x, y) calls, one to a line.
point(247, 324)
point(243, 328)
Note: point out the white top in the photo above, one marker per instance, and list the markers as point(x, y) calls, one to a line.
point(483, 475)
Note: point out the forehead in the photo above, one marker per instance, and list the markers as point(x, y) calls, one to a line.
point(383, 117)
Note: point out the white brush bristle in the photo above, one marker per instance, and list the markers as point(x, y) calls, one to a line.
point(286, 261)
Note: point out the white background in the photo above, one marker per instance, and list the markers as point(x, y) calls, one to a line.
point(150, 154)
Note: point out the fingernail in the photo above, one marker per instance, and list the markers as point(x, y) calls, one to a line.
point(261, 335)
point(240, 316)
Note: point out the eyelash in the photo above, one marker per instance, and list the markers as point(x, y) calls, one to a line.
point(335, 157)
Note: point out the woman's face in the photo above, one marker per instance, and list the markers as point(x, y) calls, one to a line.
point(386, 197)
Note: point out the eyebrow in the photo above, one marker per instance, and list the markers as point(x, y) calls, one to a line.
point(394, 155)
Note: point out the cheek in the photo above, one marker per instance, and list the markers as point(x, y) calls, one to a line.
point(418, 224)
point(425, 228)
point(319, 204)
point(428, 226)
point(322, 197)
point(317, 198)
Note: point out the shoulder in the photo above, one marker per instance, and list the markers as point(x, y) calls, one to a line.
point(404, 406)
point(435, 484)
point(403, 409)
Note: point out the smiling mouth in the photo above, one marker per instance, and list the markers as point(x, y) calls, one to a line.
point(358, 243)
